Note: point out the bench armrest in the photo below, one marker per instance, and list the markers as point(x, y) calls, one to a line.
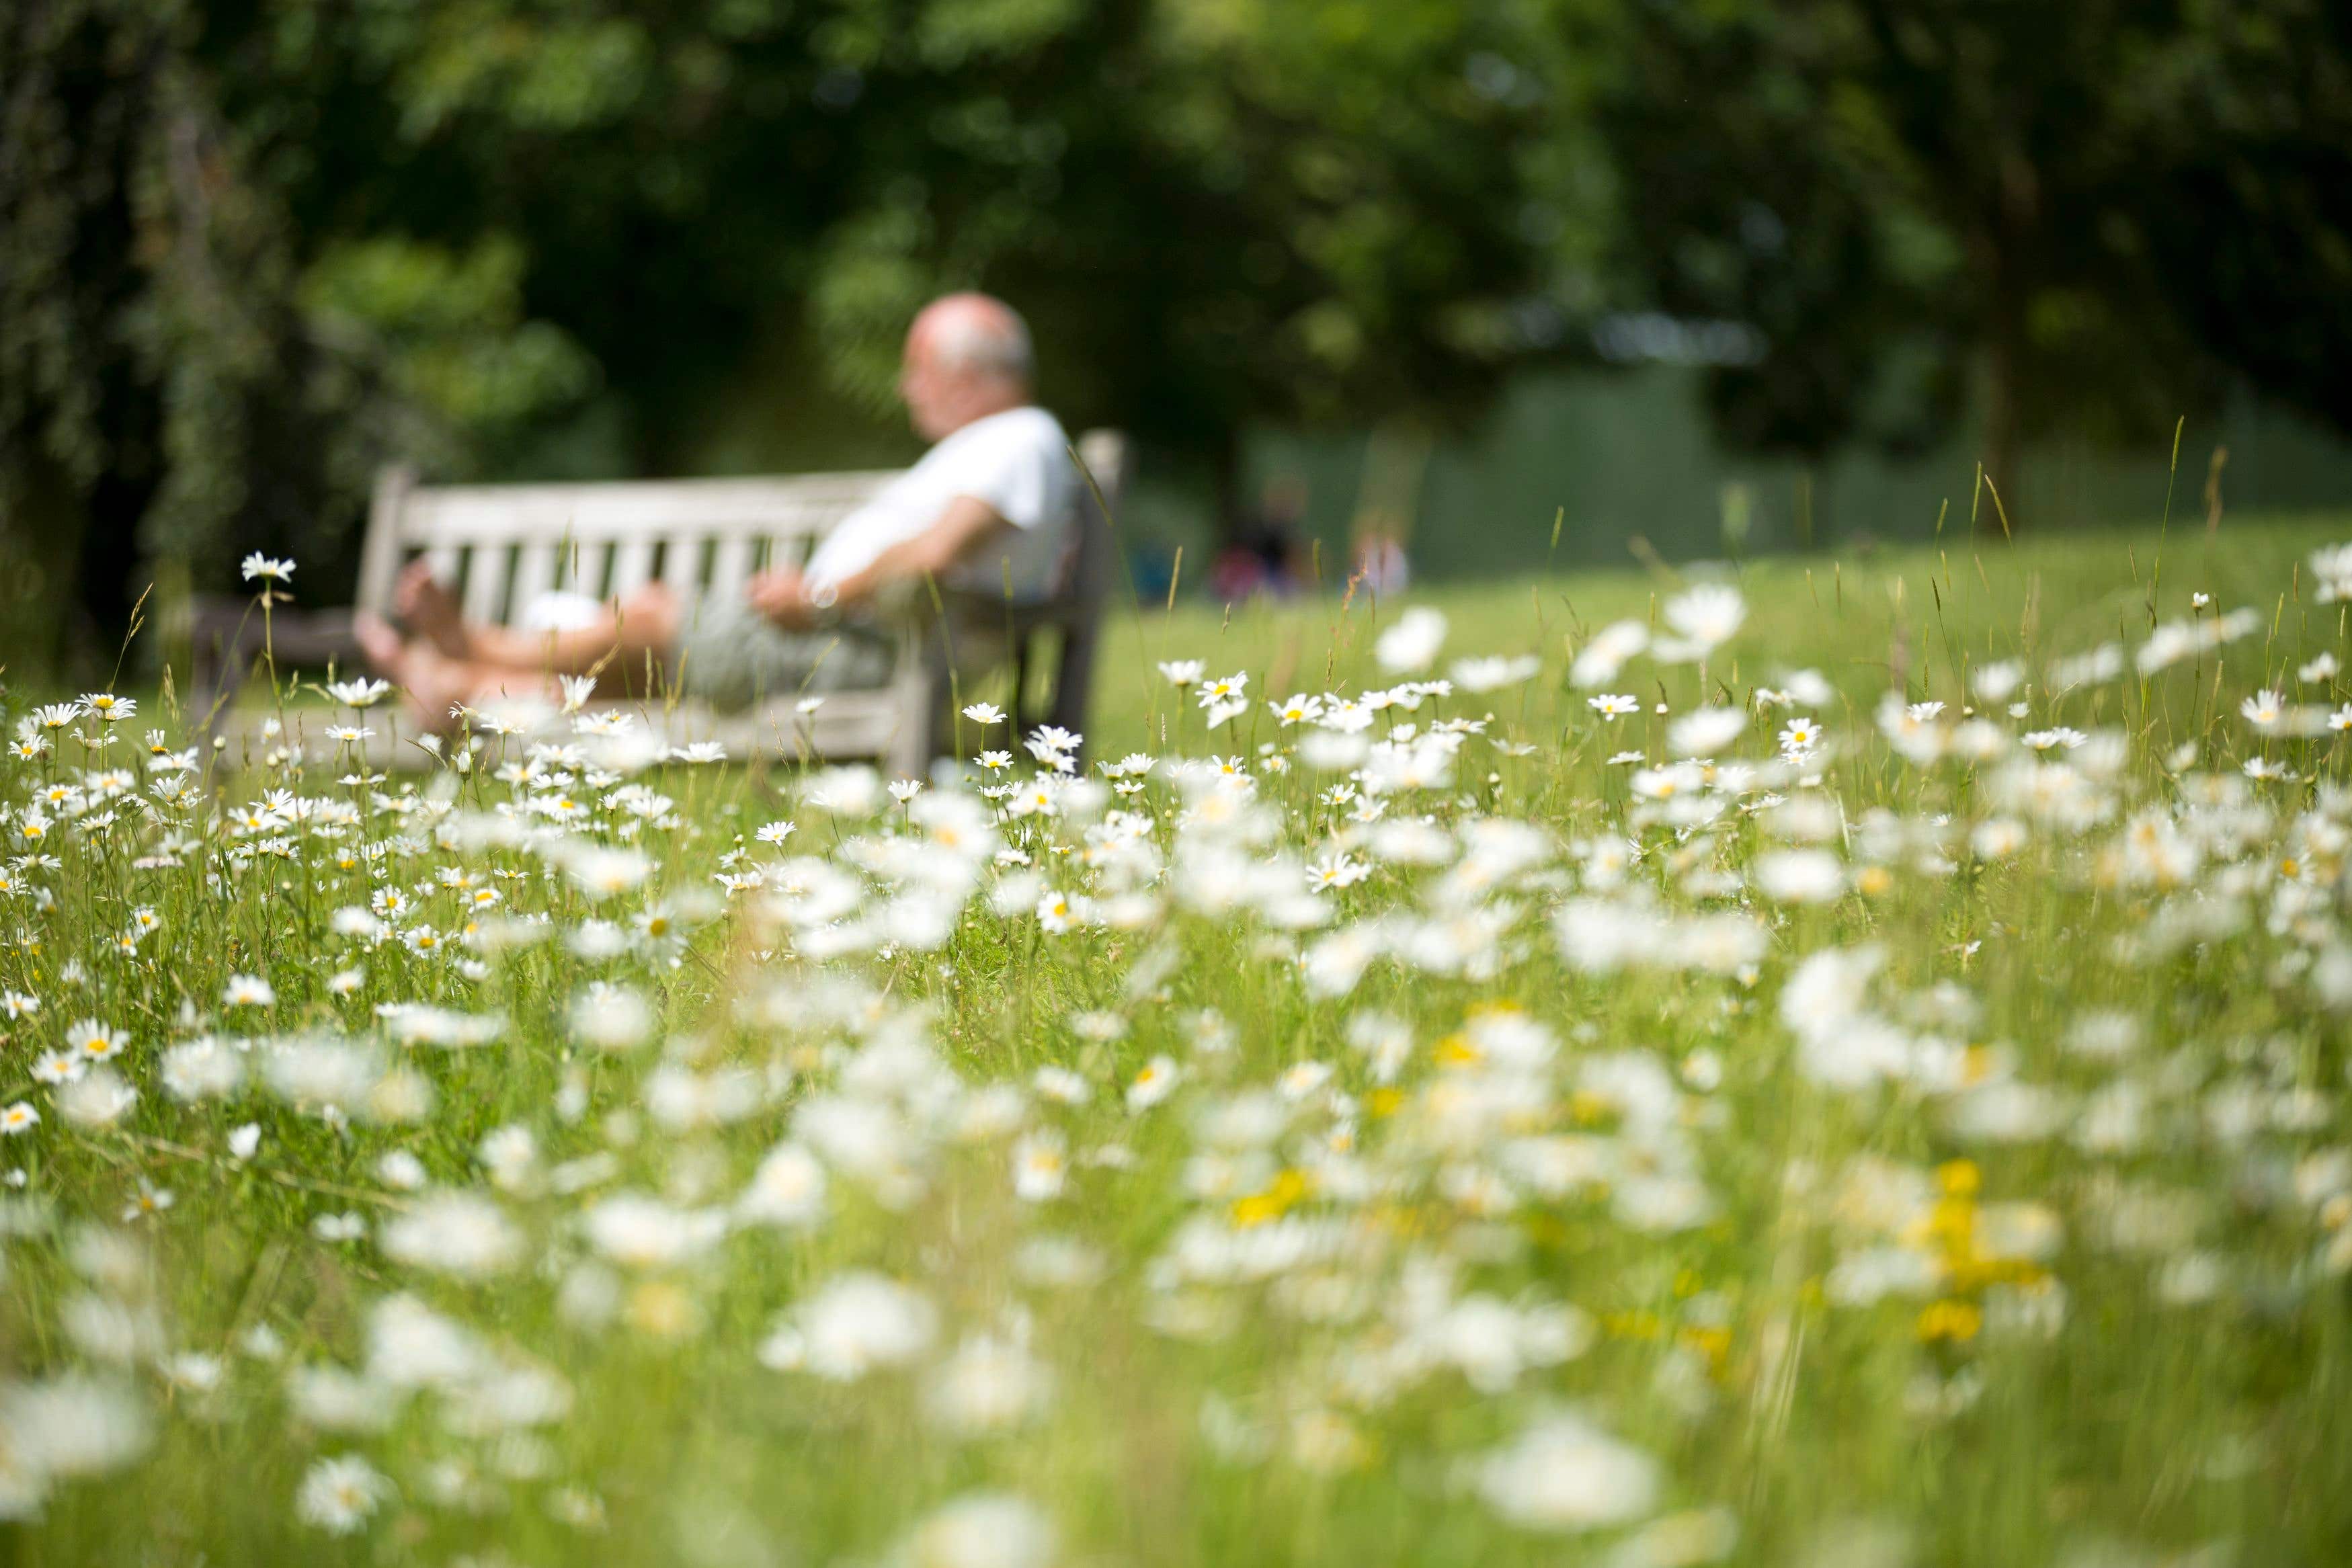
point(225, 635)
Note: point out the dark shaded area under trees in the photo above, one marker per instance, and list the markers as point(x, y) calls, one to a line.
point(251, 249)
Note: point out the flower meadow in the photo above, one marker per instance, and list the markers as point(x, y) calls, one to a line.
point(1844, 1070)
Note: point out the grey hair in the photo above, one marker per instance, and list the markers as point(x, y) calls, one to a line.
point(993, 342)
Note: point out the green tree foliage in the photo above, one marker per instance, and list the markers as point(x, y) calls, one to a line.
point(311, 233)
point(2103, 207)
point(1307, 210)
point(184, 366)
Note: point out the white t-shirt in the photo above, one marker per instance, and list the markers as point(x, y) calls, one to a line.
point(1018, 462)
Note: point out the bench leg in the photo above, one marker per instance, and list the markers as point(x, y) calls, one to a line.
point(1074, 682)
point(922, 694)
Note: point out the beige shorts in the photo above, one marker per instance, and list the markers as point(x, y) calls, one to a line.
point(732, 656)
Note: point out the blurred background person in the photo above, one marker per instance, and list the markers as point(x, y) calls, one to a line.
point(1265, 555)
point(1381, 567)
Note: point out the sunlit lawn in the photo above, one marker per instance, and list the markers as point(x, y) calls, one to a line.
point(1448, 1129)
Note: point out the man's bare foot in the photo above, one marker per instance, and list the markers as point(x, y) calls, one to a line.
point(386, 653)
point(649, 616)
point(429, 683)
point(431, 611)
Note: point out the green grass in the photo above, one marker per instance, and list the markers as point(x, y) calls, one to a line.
point(1893, 616)
point(2083, 1122)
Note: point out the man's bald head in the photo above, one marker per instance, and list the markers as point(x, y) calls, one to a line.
point(968, 356)
point(978, 332)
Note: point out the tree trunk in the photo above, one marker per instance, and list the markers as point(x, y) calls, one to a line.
point(2008, 253)
point(2003, 426)
point(47, 609)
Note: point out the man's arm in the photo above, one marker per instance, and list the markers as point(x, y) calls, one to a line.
point(966, 525)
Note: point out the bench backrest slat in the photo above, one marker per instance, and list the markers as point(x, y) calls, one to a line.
point(470, 514)
point(534, 573)
point(486, 582)
point(633, 564)
point(681, 562)
point(730, 564)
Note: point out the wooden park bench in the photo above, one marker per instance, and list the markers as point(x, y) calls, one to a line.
point(500, 546)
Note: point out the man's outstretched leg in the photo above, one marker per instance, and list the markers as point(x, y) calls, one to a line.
point(435, 685)
point(643, 621)
point(452, 661)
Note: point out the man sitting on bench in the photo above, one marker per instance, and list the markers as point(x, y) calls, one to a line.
point(991, 505)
